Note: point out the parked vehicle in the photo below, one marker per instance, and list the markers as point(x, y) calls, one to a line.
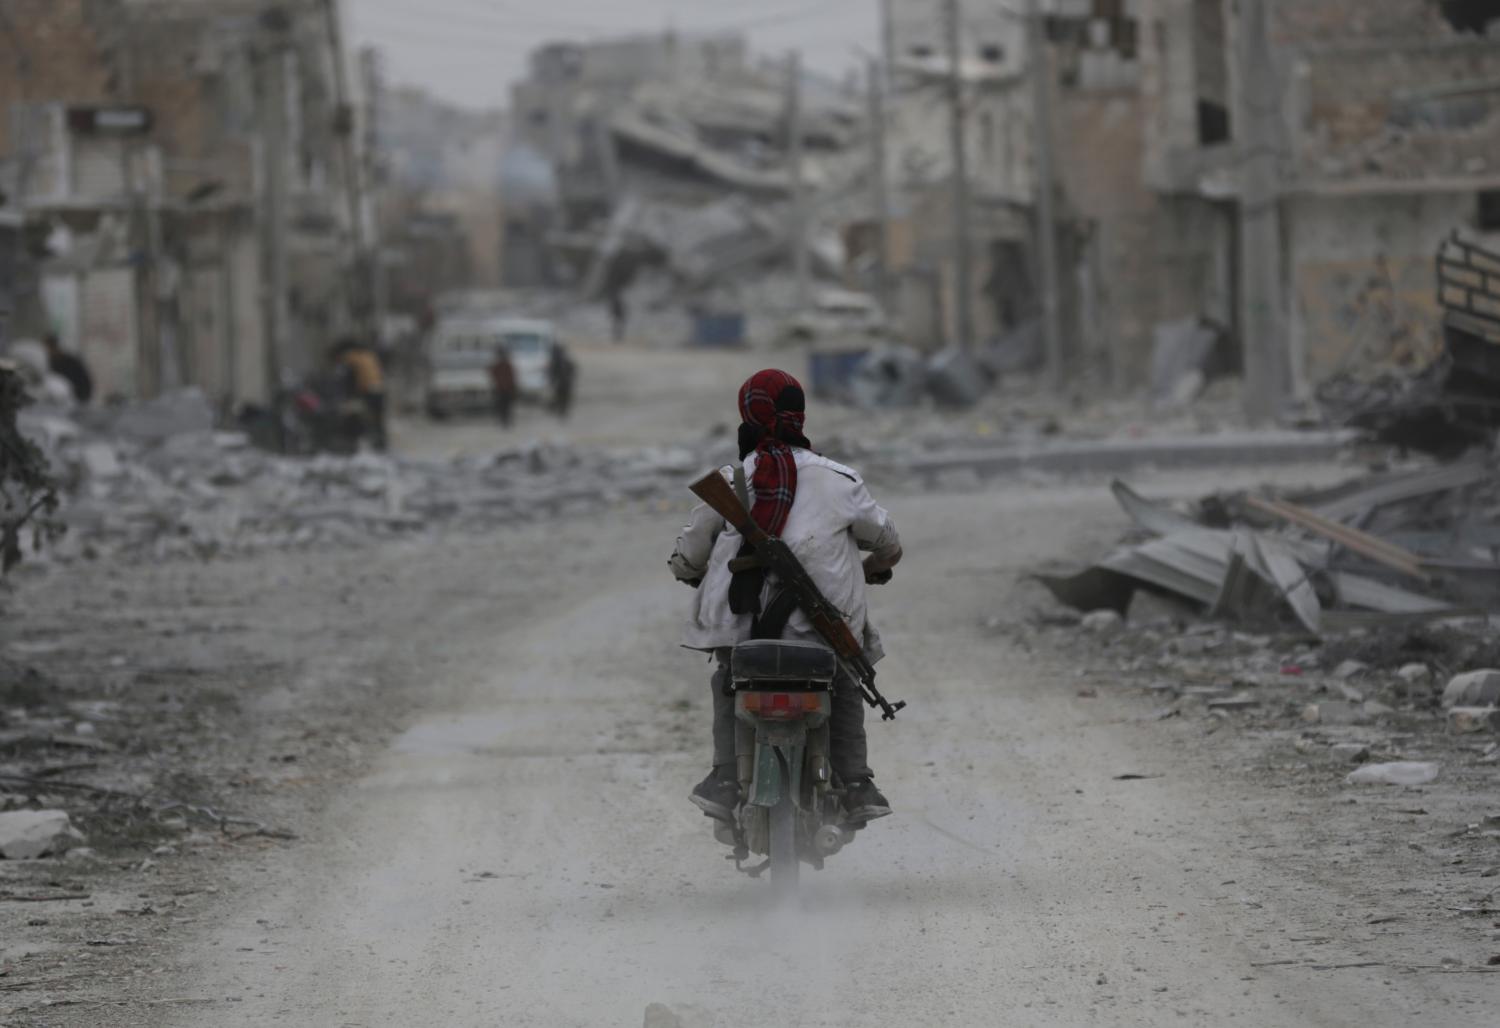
point(836, 315)
point(461, 350)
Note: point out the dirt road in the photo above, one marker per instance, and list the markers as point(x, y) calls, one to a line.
point(519, 849)
point(523, 854)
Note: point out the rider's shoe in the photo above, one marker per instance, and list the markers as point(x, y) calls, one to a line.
point(864, 802)
point(717, 795)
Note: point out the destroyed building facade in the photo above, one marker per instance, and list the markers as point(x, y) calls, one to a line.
point(133, 141)
point(1321, 150)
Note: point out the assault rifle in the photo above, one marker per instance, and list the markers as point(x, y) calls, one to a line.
point(775, 556)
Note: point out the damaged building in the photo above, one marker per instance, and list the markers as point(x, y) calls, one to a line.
point(1284, 171)
point(1308, 159)
point(138, 151)
point(680, 161)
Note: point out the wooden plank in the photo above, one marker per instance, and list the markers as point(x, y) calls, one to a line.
point(1362, 543)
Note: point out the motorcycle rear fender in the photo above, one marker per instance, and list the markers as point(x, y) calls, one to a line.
point(769, 784)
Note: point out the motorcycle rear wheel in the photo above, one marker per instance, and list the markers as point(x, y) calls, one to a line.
point(785, 867)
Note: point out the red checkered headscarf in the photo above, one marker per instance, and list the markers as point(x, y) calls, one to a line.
point(773, 408)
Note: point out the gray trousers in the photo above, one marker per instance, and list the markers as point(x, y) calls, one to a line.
point(849, 752)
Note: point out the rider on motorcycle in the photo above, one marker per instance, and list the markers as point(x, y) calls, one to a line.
point(824, 513)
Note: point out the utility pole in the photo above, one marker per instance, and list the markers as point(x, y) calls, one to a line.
point(1257, 113)
point(798, 228)
point(963, 288)
point(881, 204)
point(888, 41)
point(1042, 187)
point(374, 91)
point(361, 287)
point(276, 26)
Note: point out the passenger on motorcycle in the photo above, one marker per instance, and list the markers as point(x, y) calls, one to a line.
point(824, 513)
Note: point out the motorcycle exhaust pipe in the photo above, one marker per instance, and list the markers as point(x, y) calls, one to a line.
point(829, 839)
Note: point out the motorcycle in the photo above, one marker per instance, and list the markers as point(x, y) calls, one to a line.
point(792, 809)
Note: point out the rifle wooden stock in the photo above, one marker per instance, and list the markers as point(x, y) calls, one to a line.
point(719, 494)
point(776, 557)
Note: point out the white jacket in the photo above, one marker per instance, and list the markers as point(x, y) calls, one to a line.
point(833, 518)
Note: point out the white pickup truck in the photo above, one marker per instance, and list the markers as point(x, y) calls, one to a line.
point(461, 350)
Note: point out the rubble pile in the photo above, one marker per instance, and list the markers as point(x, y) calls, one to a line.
point(1440, 402)
point(162, 483)
point(1395, 548)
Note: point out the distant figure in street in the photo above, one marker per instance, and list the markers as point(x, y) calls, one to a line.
point(561, 371)
point(69, 366)
point(619, 315)
point(503, 385)
point(368, 380)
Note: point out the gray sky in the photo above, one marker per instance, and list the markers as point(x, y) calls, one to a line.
point(469, 51)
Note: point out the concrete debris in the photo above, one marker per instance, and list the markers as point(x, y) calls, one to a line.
point(1186, 355)
point(1333, 712)
point(31, 834)
point(1414, 674)
point(889, 377)
point(1350, 752)
point(184, 412)
point(1441, 404)
point(1350, 669)
point(1468, 720)
point(194, 492)
point(1472, 689)
point(1100, 622)
point(1407, 773)
point(1258, 560)
point(954, 379)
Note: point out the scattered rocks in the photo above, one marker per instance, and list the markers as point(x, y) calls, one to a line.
point(1350, 752)
point(1473, 689)
point(1400, 772)
point(1332, 712)
point(161, 483)
point(1238, 701)
point(1414, 674)
point(1101, 622)
point(1350, 669)
point(30, 834)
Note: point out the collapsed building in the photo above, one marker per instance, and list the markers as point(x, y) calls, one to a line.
point(675, 160)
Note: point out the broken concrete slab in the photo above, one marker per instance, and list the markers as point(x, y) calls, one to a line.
point(1473, 689)
point(1102, 622)
point(1333, 712)
point(31, 834)
point(1407, 773)
point(1414, 674)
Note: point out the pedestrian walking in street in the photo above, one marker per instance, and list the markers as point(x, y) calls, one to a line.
point(503, 385)
point(619, 315)
point(69, 366)
point(562, 372)
point(368, 381)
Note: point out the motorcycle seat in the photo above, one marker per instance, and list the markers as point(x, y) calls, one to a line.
point(779, 660)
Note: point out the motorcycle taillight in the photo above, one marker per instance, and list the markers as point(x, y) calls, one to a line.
point(785, 706)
